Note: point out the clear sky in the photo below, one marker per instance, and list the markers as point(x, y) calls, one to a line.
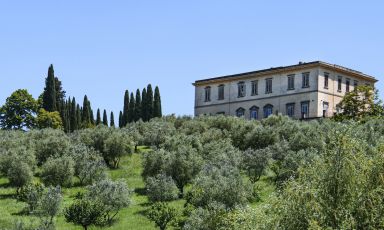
point(101, 48)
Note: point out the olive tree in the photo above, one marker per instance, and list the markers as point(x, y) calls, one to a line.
point(254, 163)
point(58, 171)
point(84, 212)
point(50, 204)
point(161, 188)
point(162, 214)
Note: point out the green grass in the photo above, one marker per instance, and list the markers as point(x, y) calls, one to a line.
point(132, 217)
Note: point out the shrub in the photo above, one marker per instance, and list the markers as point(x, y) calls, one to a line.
point(254, 163)
point(161, 188)
point(162, 214)
point(84, 212)
point(19, 174)
point(31, 194)
point(58, 171)
point(116, 145)
point(112, 196)
point(50, 204)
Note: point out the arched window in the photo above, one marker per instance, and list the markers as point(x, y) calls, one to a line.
point(208, 93)
point(254, 112)
point(240, 112)
point(268, 110)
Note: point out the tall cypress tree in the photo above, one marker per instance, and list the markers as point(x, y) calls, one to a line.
point(105, 118)
point(60, 94)
point(144, 105)
point(131, 109)
point(126, 108)
point(157, 104)
point(120, 119)
point(98, 117)
point(112, 120)
point(149, 102)
point(92, 116)
point(49, 94)
point(86, 112)
point(78, 115)
point(138, 105)
point(73, 115)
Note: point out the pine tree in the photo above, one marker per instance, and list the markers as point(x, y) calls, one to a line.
point(105, 118)
point(98, 117)
point(138, 105)
point(126, 108)
point(157, 104)
point(49, 94)
point(149, 102)
point(86, 113)
point(120, 119)
point(73, 115)
point(112, 120)
point(131, 109)
point(143, 105)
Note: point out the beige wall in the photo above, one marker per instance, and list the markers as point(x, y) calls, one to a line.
point(316, 94)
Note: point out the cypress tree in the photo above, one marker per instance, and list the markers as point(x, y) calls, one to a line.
point(86, 112)
point(49, 94)
point(157, 104)
point(60, 94)
point(92, 116)
point(73, 119)
point(78, 116)
point(120, 119)
point(112, 120)
point(126, 108)
point(131, 109)
point(149, 102)
point(105, 118)
point(138, 105)
point(143, 105)
point(98, 117)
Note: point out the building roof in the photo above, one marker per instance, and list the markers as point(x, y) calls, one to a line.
point(274, 70)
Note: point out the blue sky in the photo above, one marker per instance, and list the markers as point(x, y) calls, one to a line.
point(101, 48)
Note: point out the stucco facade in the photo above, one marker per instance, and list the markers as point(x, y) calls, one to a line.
point(299, 91)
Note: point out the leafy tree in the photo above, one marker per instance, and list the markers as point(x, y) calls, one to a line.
point(161, 188)
point(157, 104)
point(49, 94)
point(131, 109)
point(50, 204)
point(125, 108)
point(98, 117)
point(84, 212)
point(58, 171)
point(105, 118)
point(19, 111)
point(222, 185)
point(149, 103)
point(115, 146)
point(254, 163)
point(19, 174)
point(112, 124)
point(137, 112)
point(113, 196)
point(358, 104)
point(162, 214)
point(47, 119)
point(31, 194)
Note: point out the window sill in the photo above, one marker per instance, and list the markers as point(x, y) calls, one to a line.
point(305, 86)
point(339, 91)
point(268, 92)
point(254, 94)
point(240, 96)
point(325, 87)
point(291, 89)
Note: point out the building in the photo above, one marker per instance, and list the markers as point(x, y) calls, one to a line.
point(306, 90)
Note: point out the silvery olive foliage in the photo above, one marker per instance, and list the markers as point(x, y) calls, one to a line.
point(58, 171)
point(161, 188)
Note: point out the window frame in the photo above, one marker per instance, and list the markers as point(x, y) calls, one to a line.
point(243, 92)
point(339, 83)
point(291, 82)
point(207, 94)
point(221, 92)
point(347, 85)
point(305, 80)
point(268, 85)
point(254, 109)
point(326, 80)
point(267, 106)
point(287, 106)
point(238, 110)
point(304, 115)
point(255, 86)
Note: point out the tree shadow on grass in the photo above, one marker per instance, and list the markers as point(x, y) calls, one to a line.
point(8, 196)
point(141, 191)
